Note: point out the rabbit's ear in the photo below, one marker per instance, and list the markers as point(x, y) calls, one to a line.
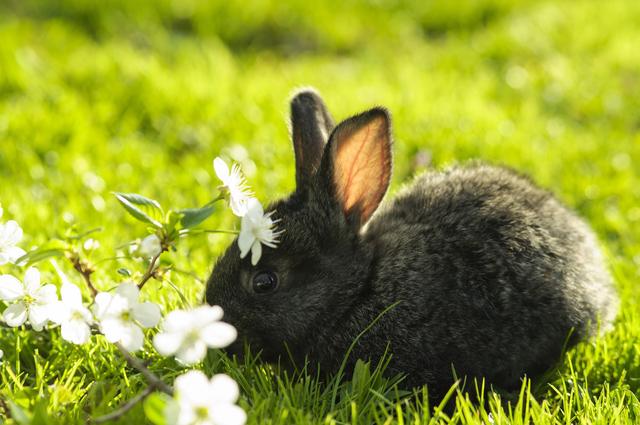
point(311, 125)
point(357, 164)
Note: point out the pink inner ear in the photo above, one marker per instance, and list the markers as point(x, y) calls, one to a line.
point(363, 168)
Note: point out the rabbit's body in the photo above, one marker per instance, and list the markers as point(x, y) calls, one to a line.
point(479, 271)
point(500, 275)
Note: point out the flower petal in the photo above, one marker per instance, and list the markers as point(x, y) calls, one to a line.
point(219, 335)
point(59, 312)
point(177, 321)
point(32, 280)
point(12, 232)
point(71, 294)
point(129, 291)
point(172, 412)
point(224, 389)
point(246, 238)
point(46, 294)
point(132, 338)
point(15, 315)
point(205, 314)
point(147, 314)
point(254, 209)
point(75, 331)
point(113, 328)
point(239, 201)
point(150, 246)
point(222, 169)
point(256, 252)
point(192, 353)
point(38, 316)
point(227, 414)
point(11, 288)
point(101, 304)
point(187, 415)
point(193, 390)
point(167, 343)
point(13, 253)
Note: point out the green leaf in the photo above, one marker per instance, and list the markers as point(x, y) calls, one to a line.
point(155, 408)
point(191, 217)
point(141, 208)
point(124, 272)
point(38, 255)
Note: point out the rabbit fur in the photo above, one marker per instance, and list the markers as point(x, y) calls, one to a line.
point(482, 274)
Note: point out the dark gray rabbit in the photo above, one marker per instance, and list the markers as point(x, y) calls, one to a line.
point(488, 275)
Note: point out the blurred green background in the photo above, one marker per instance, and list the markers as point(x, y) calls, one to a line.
point(140, 96)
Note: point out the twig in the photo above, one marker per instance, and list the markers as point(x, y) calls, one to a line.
point(150, 270)
point(5, 408)
point(152, 378)
point(125, 407)
point(84, 269)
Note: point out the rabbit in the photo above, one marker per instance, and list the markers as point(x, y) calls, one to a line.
point(470, 272)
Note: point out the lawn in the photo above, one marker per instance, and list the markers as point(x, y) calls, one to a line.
point(128, 96)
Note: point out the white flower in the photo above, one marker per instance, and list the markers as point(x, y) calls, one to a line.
point(122, 316)
point(257, 228)
point(201, 401)
point(10, 235)
point(150, 246)
point(187, 334)
point(234, 184)
point(30, 300)
point(1, 355)
point(72, 316)
point(90, 244)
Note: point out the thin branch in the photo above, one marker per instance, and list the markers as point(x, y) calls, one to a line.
point(151, 269)
point(86, 274)
point(116, 414)
point(152, 378)
point(84, 269)
point(5, 408)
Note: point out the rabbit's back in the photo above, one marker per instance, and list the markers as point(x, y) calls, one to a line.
point(491, 273)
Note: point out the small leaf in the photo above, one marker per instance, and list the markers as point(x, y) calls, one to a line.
point(38, 255)
point(155, 408)
point(191, 217)
point(141, 208)
point(124, 272)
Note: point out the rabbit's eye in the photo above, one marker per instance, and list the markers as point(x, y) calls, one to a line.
point(264, 281)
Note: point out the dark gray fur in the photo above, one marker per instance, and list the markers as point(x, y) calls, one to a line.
point(491, 274)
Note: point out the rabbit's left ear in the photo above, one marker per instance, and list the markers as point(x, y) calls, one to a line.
point(356, 166)
point(311, 125)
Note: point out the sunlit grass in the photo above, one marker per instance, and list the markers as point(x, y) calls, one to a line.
point(140, 97)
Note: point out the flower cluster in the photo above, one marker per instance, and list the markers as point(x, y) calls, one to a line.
point(122, 318)
point(257, 228)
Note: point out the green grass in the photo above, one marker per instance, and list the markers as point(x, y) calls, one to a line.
point(131, 96)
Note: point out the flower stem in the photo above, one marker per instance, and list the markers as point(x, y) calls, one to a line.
point(125, 407)
point(151, 269)
point(84, 269)
point(152, 378)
